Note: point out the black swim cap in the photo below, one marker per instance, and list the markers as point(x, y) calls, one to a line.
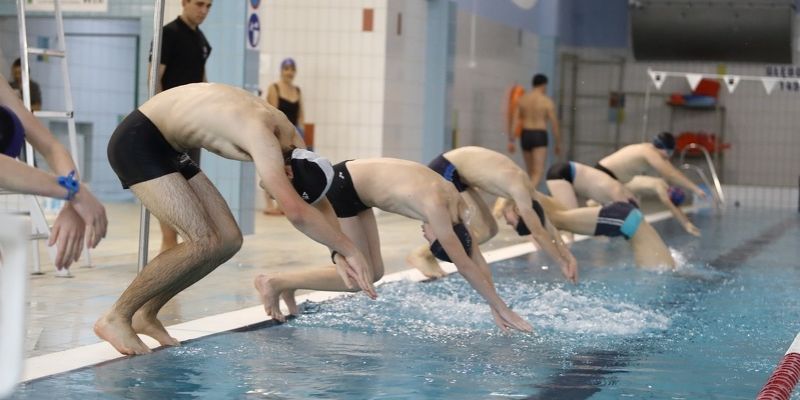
point(313, 175)
point(539, 80)
point(463, 236)
point(664, 141)
point(12, 133)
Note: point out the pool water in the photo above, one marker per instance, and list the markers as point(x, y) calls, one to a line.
point(714, 329)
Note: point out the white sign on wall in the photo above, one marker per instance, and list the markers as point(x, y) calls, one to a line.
point(68, 5)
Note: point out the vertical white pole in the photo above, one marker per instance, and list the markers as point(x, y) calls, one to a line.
point(155, 61)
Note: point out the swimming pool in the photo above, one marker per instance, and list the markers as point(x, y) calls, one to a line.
point(713, 330)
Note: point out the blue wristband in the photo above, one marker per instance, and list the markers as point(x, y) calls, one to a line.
point(71, 184)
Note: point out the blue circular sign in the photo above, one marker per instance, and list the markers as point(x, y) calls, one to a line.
point(255, 3)
point(253, 30)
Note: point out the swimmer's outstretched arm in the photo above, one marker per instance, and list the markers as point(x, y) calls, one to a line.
point(549, 241)
point(269, 164)
point(442, 226)
point(677, 212)
point(672, 174)
point(21, 178)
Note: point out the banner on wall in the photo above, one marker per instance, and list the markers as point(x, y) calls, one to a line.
point(68, 5)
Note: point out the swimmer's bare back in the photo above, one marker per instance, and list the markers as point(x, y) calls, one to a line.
point(222, 119)
point(533, 110)
point(410, 191)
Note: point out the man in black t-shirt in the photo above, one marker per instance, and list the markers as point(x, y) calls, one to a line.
point(184, 51)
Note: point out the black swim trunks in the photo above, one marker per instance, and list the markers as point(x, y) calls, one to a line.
point(562, 170)
point(606, 170)
point(448, 171)
point(532, 138)
point(618, 219)
point(138, 152)
point(343, 195)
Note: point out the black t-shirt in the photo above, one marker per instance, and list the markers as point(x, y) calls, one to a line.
point(36, 93)
point(184, 52)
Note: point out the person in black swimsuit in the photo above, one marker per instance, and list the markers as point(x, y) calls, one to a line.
point(285, 96)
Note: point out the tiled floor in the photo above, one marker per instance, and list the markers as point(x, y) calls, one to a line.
point(62, 311)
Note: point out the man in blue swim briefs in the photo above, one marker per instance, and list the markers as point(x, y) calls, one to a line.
point(466, 168)
point(614, 219)
point(405, 188)
point(148, 153)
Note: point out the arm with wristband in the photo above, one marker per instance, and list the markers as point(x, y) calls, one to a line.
point(83, 210)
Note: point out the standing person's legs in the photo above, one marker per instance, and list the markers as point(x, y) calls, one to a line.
point(224, 225)
point(170, 198)
point(361, 230)
point(538, 160)
point(169, 237)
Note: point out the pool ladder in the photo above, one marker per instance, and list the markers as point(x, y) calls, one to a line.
point(719, 196)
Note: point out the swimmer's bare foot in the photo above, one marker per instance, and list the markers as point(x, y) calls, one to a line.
point(291, 304)
point(119, 333)
point(152, 327)
point(422, 260)
point(269, 296)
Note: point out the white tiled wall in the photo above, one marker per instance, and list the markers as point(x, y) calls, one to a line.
point(405, 80)
point(504, 56)
point(341, 70)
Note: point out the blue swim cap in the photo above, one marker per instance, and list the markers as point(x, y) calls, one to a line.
point(12, 133)
point(676, 195)
point(288, 62)
point(463, 236)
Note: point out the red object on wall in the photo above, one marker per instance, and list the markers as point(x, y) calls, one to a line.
point(367, 19)
point(705, 140)
point(707, 87)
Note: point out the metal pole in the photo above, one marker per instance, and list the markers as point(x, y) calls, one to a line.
point(23, 58)
point(646, 111)
point(155, 60)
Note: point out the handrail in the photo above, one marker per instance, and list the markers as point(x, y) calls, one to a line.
point(720, 196)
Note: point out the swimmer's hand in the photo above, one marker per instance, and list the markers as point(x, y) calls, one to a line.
point(67, 234)
point(511, 146)
point(693, 230)
point(507, 320)
point(354, 270)
point(569, 268)
point(93, 215)
point(701, 194)
point(557, 149)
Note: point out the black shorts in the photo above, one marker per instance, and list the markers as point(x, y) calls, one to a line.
point(606, 170)
point(342, 194)
point(532, 138)
point(138, 152)
point(562, 170)
point(448, 171)
point(618, 219)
